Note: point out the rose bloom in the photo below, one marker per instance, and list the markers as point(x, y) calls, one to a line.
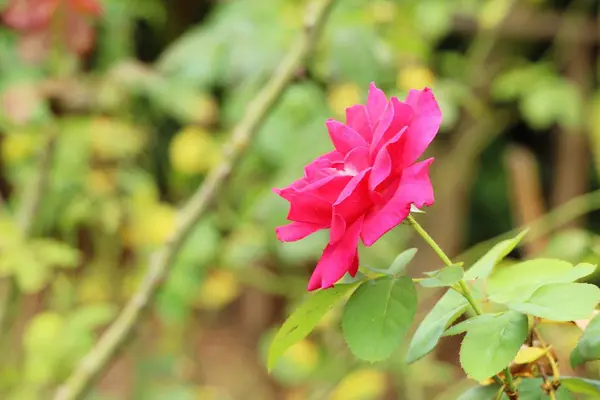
point(43, 21)
point(366, 186)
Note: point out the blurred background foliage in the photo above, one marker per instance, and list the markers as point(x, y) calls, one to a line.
point(113, 112)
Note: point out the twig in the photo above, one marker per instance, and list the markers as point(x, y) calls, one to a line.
point(107, 347)
point(33, 200)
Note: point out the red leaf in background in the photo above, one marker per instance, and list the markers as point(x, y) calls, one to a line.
point(29, 15)
point(37, 19)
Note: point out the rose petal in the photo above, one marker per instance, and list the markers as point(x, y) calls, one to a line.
point(352, 202)
point(423, 127)
point(414, 188)
point(337, 259)
point(383, 164)
point(296, 231)
point(357, 159)
point(343, 137)
point(376, 103)
point(318, 168)
point(396, 117)
point(357, 118)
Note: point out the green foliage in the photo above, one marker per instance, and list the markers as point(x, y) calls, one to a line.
point(401, 261)
point(531, 389)
point(490, 347)
point(483, 267)
point(447, 276)
point(489, 392)
point(561, 301)
point(581, 386)
point(399, 264)
point(465, 325)
point(588, 347)
point(304, 319)
point(377, 316)
point(429, 332)
point(544, 98)
point(519, 281)
point(33, 261)
point(54, 343)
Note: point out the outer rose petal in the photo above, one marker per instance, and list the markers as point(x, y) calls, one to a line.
point(358, 119)
point(376, 103)
point(296, 231)
point(414, 188)
point(423, 127)
point(337, 259)
point(343, 137)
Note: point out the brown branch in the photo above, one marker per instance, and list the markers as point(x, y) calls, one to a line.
point(113, 339)
point(525, 191)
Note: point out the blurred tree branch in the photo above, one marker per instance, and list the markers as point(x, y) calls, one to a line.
point(531, 24)
point(105, 350)
point(557, 217)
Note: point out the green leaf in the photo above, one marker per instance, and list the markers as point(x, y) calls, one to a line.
point(349, 279)
point(484, 266)
point(448, 308)
point(581, 385)
point(588, 347)
point(304, 320)
point(488, 392)
point(531, 389)
point(447, 276)
point(399, 264)
point(54, 253)
point(377, 316)
point(489, 348)
point(465, 325)
point(401, 261)
point(517, 282)
point(561, 301)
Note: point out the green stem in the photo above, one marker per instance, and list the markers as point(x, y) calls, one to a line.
point(464, 290)
point(417, 227)
point(509, 380)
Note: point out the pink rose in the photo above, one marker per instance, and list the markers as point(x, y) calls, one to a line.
point(366, 186)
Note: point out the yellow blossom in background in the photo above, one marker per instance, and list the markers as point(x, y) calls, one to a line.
point(18, 146)
point(100, 182)
point(206, 110)
point(94, 287)
point(219, 289)
point(414, 77)
point(342, 96)
point(364, 384)
point(114, 139)
point(193, 151)
point(383, 11)
point(151, 224)
point(303, 354)
point(493, 12)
